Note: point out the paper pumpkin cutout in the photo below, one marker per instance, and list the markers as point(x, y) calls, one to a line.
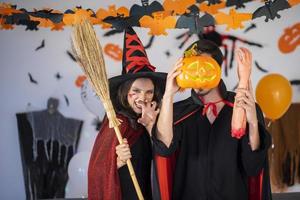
point(270, 9)
point(111, 12)
point(212, 9)
point(293, 2)
point(79, 15)
point(159, 23)
point(199, 72)
point(194, 22)
point(113, 51)
point(289, 41)
point(179, 7)
point(233, 20)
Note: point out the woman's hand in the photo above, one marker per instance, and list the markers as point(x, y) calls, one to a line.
point(149, 114)
point(123, 153)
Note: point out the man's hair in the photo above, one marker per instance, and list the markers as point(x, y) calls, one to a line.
point(205, 46)
point(121, 100)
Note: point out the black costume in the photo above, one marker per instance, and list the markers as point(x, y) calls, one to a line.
point(210, 163)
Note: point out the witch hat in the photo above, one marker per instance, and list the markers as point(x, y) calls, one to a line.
point(135, 64)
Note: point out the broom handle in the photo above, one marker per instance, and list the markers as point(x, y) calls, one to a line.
point(130, 167)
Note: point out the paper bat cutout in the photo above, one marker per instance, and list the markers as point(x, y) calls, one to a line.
point(32, 79)
point(168, 54)
point(290, 40)
point(58, 76)
point(179, 7)
point(210, 2)
point(212, 9)
point(112, 32)
point(252, 26)
point(67, 100)
point(48, 18)
point(21, 19)
point(118, 23)
point(71, 56)
point(194, 22)
point(295, 82)
point(136, 11)
point(260, 68)
point(237, 3)
point(159, 23)
point(233, 20)
point(41, 46)
point(111, 12)
point(270, 9)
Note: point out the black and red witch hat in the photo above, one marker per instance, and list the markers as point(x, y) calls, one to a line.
point(135, 65)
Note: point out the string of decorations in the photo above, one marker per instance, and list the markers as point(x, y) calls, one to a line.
point(171, 14)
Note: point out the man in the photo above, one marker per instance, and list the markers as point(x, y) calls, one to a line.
point(210, 163)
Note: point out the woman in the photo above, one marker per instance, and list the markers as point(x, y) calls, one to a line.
point(135, 96)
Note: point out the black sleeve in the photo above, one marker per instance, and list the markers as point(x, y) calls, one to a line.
point(160, 148)
point(254, 161)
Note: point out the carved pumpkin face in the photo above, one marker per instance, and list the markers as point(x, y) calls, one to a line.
point(199, 72)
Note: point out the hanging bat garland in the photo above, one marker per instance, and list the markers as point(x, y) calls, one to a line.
point(122, 17)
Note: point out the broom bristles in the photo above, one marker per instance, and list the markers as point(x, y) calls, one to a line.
point(88, 53)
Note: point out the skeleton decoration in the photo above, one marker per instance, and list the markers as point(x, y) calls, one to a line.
point(48, 140)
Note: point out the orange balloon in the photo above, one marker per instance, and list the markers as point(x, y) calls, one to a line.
point(274, 95)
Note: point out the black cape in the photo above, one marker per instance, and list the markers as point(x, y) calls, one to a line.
point(210, 164)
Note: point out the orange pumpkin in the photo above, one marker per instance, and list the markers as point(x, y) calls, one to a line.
point(199, 72)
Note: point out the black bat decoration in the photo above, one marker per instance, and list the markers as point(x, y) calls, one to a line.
point(58, 76)
point(194, 22)
point(260, 68)
point(42, 45)
point(47, 14)
point(31, 79)
point(295, 82)
point(270, 9)
point(22, 19)
point(71, 56)
point(237, 3)
point(137, 11)
point(67, 100)
point(168, 54)
point(118, 23)
point(252, 26)
point(149, 43)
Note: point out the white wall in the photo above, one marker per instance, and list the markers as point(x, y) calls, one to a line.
point(18, 57)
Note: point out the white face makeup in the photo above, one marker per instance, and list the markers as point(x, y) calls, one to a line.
point(141, 92)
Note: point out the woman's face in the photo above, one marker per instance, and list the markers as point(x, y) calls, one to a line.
point(141, 92)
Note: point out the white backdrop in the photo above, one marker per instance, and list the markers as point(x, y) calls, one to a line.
point(18, 57)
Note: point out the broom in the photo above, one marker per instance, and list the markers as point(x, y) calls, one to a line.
point(88, 53)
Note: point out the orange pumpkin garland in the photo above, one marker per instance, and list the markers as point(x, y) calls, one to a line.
point(199, 72)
